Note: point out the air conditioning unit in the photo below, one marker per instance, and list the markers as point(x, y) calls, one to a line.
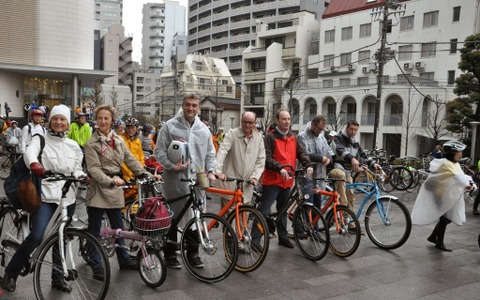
point(419, 65)
point(333, 68)
point(365, 70)
point(408, 66)
point(373, 67)
point(352, 67)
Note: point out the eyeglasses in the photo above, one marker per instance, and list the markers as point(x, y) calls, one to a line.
point(248, 122)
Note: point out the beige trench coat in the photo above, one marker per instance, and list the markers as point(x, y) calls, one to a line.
point(102, 170)
point(239, 157)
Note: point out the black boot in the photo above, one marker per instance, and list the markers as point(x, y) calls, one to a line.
point(441, 234)
point(9, 283)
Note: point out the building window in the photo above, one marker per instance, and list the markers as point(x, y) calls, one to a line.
point(345, 59)
point(451, 77)
point(428, 75)
point(456, 14)
point(429, 49)
point(430, 19)
point(330, 36)
point(312, 73)
point(453, 46)
point(258, 64)
point(344, 81)
point(405, 52)
point(328, 61)
point(362, 80)
point(365, 30)
point(406, 23)
point(347, 33)
point(364, 57)
point(327, 83)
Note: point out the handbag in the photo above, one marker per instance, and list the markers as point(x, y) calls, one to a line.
point(153, 215)
point(28, 196)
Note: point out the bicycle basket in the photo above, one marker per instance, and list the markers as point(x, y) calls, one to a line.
point(153, 219)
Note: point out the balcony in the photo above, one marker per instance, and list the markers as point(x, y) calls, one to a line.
point(393, 120)
point(241, 10)
point(204, 8)
point(235, 65)
point(241, 24)
point(254, 99)
point(192, 25)
point(288, 52)
point(255, 75)
point(367, 119)
point(157, 25)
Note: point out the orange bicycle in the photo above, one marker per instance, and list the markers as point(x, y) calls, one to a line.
point(242, 219)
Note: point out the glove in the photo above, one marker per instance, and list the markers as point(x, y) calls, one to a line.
point(474, 187)
point(37, 169)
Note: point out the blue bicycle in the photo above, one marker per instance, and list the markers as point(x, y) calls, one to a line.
point(387, 220)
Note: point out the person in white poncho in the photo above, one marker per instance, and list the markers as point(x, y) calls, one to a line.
point(441, 196)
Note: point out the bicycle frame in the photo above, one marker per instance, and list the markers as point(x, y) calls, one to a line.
point(332, 202)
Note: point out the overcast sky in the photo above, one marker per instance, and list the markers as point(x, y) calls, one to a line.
point(132, 21)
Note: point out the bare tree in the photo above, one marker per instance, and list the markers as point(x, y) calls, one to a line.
point(97, 98)
point(408, 120)
point(436, 124)
point(114, 97)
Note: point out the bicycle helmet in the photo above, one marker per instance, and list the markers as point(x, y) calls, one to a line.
point(453, 147)
point(80, 115)
point(178, 150)
point(147, 127)
point(36, 112)
point(131, 122)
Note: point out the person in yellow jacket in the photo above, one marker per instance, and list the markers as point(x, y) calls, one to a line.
point(134, 144)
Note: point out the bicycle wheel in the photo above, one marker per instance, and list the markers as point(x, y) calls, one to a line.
point(404, 178)
point(416, 179)
point(5, 165)
point(213, 241)
point(311, 234)
point(7, 250)
point(85, 284)
point(251, 254)
point(152, 268)
point(394, 229)
point(10, 225)
point(345, 240)
point(387, 184)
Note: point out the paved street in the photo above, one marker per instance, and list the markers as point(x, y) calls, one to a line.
point(415, 271)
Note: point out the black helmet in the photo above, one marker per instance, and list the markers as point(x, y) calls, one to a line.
point(453, 147)
point(147, 127)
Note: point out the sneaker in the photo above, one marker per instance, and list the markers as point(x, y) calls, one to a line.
point(61, 285)
point(172, 262)
point(286, 243)
point(131, 265)
point(99, 274)
point(195, 262)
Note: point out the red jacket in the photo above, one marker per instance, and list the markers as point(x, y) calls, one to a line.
point(282, 150)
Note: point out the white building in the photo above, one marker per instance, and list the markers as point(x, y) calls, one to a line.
point(161, 21)
point(226, 28)
point(108, 13)
point(147, 92)
point(340, 80)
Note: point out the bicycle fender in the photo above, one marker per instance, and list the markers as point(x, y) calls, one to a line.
point(389, 197)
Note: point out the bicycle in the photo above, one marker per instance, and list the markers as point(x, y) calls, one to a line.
point(242, 219)
point(65, 249)
point(7, 159)
point(213, 236)
point(150, 234)
point(393, 225)
point(309, 226)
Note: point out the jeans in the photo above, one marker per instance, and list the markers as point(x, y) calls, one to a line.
point(270, 193)
point(346, 197)
point(95, 216)
point(39, 222)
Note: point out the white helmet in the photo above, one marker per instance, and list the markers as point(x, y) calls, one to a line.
point(178, 150)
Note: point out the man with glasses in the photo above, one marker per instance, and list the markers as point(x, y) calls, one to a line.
point(318, 151)
point(241, 155)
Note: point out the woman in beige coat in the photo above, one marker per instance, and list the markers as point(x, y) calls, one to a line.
point(105, 153)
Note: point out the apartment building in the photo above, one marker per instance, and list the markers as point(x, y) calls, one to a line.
point(225, 28)
point(339, 76)
point(108, 13)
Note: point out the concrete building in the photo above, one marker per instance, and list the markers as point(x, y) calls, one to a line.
point(108, 13)
point(204, 76)
point(117, 55)
point(224, 28)
point(161, 21)
point(147, 93)
point(47, 51)
point(339, 76)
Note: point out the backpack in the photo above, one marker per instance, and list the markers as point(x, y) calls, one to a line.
point(18, 173)
point(153, 215)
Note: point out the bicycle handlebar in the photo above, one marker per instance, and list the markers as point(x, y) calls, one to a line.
point(53, 176)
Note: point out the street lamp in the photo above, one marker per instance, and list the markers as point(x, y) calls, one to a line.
point(474, 139)
point(231, 121)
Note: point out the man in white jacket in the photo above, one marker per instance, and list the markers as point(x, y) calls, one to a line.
point(185, 126)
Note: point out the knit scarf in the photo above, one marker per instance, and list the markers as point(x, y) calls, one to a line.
point(57, 134)
point(105, 141)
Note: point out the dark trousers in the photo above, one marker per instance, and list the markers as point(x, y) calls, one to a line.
point(270, 194)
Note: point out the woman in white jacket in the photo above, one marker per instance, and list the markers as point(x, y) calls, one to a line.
point(441, 196)
point(60, 155)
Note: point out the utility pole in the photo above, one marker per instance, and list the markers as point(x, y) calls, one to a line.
point(384, 53)
point(175, 80)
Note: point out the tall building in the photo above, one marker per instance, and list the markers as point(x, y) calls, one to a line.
point(226, 28)
point(161, 21)
point(107, 13)
point(117, 55)
point(46, 53)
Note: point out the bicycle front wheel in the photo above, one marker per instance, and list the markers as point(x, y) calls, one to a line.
point(81, 249)
point(310, 231)
point(404, 178)
point(5, 165)
point(251, 253)
point(152, 267)
point(388, 183)
point(209, 248)
point(388, 223)
point(345, 239)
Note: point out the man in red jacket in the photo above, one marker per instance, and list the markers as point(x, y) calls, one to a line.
point(281, 148)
